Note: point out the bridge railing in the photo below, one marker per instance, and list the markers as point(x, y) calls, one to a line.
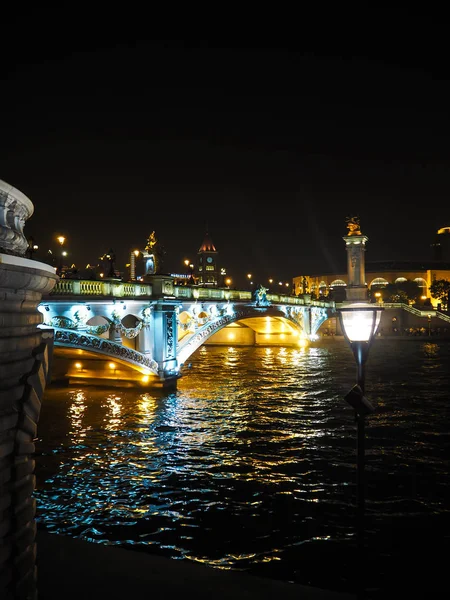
point(120, 289)
point(88, 287)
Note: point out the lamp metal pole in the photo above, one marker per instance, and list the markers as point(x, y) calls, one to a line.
point(360, 352)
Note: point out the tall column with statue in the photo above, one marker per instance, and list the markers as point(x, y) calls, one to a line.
point(355, 243)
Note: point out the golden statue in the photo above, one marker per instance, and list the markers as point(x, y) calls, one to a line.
point(151, 242)
point(353, 226)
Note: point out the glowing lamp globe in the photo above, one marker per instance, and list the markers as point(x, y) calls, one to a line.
point(360, 322)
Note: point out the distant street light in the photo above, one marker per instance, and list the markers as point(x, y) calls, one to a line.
point(32, 247)
point(61, 239)
point(133, 256)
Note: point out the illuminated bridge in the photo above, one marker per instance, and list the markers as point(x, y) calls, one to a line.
point(108, 332)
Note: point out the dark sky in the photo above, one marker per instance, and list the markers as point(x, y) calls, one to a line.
point(272, 146)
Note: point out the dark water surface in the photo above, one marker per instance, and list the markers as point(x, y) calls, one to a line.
point(250, 465)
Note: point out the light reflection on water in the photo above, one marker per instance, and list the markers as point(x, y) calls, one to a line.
point(250, 463)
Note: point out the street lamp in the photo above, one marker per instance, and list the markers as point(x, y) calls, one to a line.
point(359, 323)
point(133, 257)
point(32, 247)
point(61, 239)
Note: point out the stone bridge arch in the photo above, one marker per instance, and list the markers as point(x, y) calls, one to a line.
point(302, 320)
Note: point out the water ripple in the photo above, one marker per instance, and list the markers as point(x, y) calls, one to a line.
point(250, 465)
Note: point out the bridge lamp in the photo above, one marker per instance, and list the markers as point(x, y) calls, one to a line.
point(359, 323)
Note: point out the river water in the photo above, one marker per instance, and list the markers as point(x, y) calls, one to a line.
point(250, 465)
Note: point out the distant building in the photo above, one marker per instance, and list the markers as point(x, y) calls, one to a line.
point(380, 273)
point(441, 245)
point(207, 271)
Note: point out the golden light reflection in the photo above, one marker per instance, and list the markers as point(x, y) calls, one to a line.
point(113, 412)
point(76, 412)
point(78, 365)
point(112, 365)
point(147, 408)
point(231, 336)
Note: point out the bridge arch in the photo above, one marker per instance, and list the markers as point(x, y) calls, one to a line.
point(299, 319)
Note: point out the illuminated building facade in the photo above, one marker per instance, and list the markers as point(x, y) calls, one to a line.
point(381, 273)
point(378, 274)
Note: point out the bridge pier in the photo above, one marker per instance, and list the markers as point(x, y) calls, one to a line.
point(164, 341)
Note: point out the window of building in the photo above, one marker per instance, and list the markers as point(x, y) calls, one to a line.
point(337, 283)
point(379, 282)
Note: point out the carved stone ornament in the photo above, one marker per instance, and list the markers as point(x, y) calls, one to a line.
point(15, 209)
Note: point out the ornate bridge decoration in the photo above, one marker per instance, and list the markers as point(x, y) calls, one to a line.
point(92, 343)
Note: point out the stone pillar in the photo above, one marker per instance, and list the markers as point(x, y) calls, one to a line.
point(307, 321)
point(356, 286)
point(165, 336)
point(25, 353)
point(144, 342)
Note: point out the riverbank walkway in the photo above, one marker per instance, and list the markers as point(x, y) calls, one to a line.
point(72, 569)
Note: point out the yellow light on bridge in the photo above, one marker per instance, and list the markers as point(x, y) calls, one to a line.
point(78, 365)
point(112, 365)
point(145, 379)
point(231, 336)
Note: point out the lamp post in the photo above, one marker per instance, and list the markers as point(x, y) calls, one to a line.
point(32, 247)
point(133, 257)
point(359, 322)
point(61, 239)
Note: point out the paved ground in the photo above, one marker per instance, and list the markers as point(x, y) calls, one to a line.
point(72, 569)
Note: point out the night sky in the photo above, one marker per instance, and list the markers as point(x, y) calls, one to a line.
point(271, 147)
